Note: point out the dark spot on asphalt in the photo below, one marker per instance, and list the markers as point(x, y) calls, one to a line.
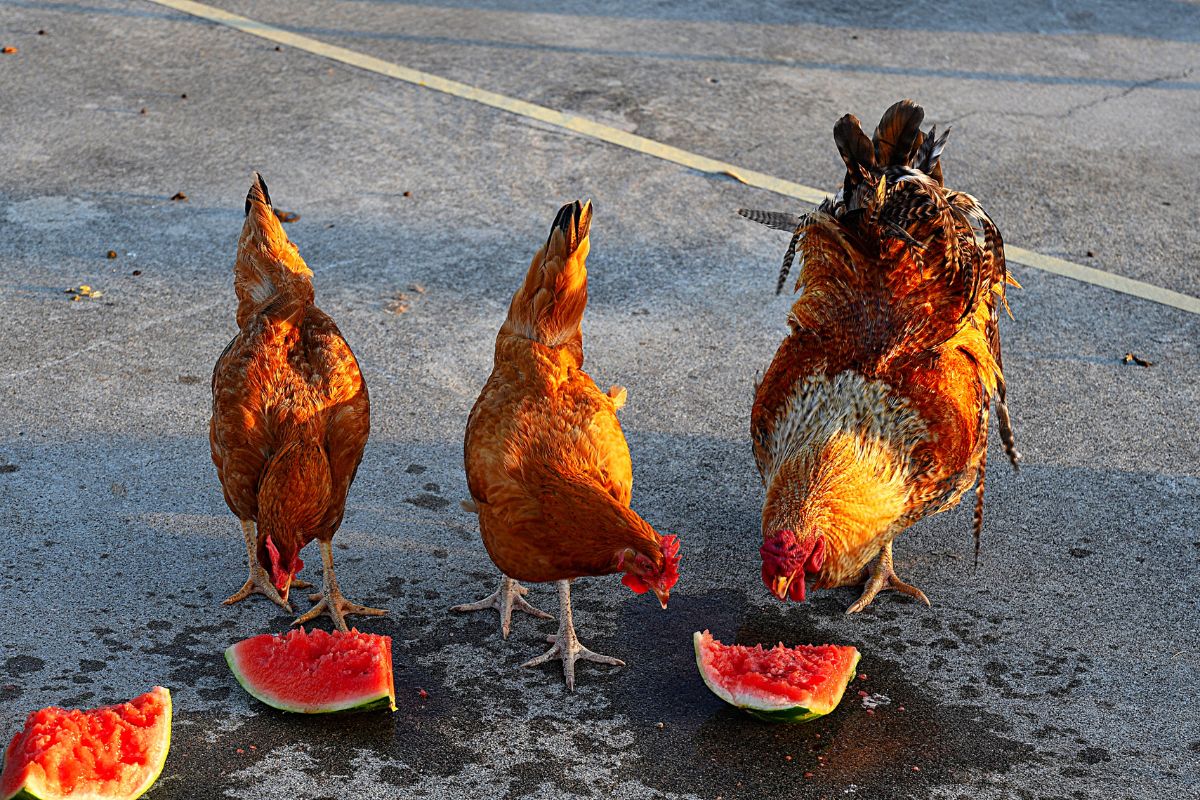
point(440, 552)
point(429, 501)
point(6, 469)
point(415, 469)
point(432, 487)
point(159, 625)
point(1093, 755)
point(394, 587)
point(188, 379)
point(1079, 552)
point(76, 701)
point(10, 692)
point(23, 665)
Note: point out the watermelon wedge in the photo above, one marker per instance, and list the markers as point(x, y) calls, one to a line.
point(316, 672)
point(783, 684)
point(111, 753)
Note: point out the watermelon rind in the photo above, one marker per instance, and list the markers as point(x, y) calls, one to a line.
point(39, 792)
point(766, 707)
point(373, 701)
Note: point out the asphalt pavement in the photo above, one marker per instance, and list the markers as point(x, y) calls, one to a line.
point(1063, 666)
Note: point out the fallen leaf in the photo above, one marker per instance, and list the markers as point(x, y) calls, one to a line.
point(179, 196)
point(286, 216)
point(83, 291)
point(8, 51)
point(399, 303)
point(111, 254)
point(1130, 358)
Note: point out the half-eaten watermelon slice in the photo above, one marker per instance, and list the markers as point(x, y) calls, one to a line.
point(111, 753)
point(783, 684)
point(316, 672)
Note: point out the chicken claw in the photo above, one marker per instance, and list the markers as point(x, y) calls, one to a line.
point(508, 596)
point(330, 600)
point(566, 643)
point(883, 576)
point(258, 582)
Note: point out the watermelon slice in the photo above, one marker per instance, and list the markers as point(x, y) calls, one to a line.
point(783, 684)
point(111, 753)
point(316, 672)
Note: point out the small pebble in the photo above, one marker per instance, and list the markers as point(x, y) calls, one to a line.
point(143, 112)
point(408, 194)
point(278, 49)
point(41, 33)
point(183, 96)
point(659, 725)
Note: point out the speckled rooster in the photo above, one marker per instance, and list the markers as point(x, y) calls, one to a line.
point(874, 412)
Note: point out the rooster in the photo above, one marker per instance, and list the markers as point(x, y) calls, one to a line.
point(874, 412)
point(547, 465)
point(290, 417)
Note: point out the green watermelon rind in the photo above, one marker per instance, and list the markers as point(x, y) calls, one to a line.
point(371, 702)
point(27, 792)
point(761, 707)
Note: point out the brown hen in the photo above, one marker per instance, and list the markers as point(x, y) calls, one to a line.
point(874, 413)
point(290, 416)
point(547, 464)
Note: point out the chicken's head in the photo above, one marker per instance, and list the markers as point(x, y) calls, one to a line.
point(283, 565)
point(787, 558)
point(643, 575)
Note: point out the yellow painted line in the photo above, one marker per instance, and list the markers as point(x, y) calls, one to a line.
point(641, 144)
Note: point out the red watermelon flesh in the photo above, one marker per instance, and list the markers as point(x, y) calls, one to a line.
point(114, 752)
point(780, 684)
point(316, 672)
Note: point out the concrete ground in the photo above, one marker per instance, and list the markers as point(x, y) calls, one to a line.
point(1064, 666)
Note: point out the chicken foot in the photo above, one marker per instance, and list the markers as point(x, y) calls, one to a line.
point(330, 600)
point(258, 582)
point(566, 643)
point(508, 596)
point(883, 576)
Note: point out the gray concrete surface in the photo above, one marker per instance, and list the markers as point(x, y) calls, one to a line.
point(1065, 666)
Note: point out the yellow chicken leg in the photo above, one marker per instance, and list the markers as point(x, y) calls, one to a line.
point(883, 576)
point(566, 643)
point(331, 600)
point(258, 582)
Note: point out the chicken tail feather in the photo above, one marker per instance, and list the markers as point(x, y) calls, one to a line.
point(548, 308)
point(269, 272)
point(898, 134)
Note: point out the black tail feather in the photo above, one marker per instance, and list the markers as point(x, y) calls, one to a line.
point(258, 193)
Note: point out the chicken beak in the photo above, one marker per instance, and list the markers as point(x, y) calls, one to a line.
point(780, 587)
point(283, 590)
point(663, 595)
